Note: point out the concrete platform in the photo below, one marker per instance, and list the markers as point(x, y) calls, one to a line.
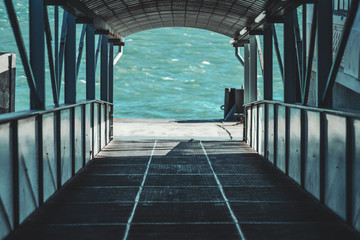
point(168, 189)
point(135, 129)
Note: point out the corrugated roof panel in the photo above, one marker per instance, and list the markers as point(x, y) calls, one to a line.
point(227, 17)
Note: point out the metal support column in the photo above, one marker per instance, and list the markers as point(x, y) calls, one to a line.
point(90, 63)
point(70, 61)
point(111, 72)
point(253, 70)
point(290, 67)
point(104, 86)
point(246, 73)
point(268, 64)
point(56, 30)
point(37, 52)
point(324, 47)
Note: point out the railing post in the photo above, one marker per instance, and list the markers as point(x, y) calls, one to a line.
point(39, 139)
point(37, 52)
point(70, 61)
point(15, 158)
point(90, 63)
point(104, 87)
point(92, 130)
point(349, 168)
point(58, 148)
point(83, 133)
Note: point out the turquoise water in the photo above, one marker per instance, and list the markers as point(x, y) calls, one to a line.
point(164, 73)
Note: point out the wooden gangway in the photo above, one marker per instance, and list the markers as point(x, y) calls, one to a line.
point(189, 189)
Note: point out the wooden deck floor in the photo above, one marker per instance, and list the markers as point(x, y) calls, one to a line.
point(167, 189)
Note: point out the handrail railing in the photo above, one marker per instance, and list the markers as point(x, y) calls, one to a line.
point(353, 114)
point(316, 147)
point(8, 117)
point(42, 150)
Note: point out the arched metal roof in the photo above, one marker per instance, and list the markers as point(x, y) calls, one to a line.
point(227, 17)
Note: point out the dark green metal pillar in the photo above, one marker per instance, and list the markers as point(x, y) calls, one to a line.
point(290, 69)
point(111, 72)
point(90, 63)
point(37, 52)
point(268, 64)
point(253, 70)
point(104, 87)
point(324, 48)
point(246, 73)
point(70, 61)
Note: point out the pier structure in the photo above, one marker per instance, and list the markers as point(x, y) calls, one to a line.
point(295, 175)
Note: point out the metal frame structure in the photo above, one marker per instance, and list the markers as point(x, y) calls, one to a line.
point(299, 54)
point(47, 147)
point(313, 145)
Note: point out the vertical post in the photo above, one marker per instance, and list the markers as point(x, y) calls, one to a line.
point(111, 73)
point(39, 122)
point(303, 137)
point(268, 64)
point(15, 158)
point(104, 87)
point(72, 140)
point(70, 61)
point(56, 26)
point(246, 73)
point(349, 168)
point(90, 63)
point(304, 44)
point(275, 133)
point(323, 137)
point(324, 47)
point(37, 52)
point(83, 133)
point(253, 70)
point(290, 67)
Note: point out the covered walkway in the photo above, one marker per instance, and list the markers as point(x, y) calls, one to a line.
point(64, 175)
point(167, 189)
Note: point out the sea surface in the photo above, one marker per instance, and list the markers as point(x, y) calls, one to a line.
point(178, 73)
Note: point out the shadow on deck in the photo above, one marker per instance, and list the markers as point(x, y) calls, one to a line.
point(168, 189)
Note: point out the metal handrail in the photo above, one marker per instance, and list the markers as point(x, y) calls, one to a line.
point(13, 116)
point(309, 108)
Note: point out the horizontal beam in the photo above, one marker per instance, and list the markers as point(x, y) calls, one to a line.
point(84, 20)
point(102, 32)
point(55, 2)
point(256, 32)
point(275, 19)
